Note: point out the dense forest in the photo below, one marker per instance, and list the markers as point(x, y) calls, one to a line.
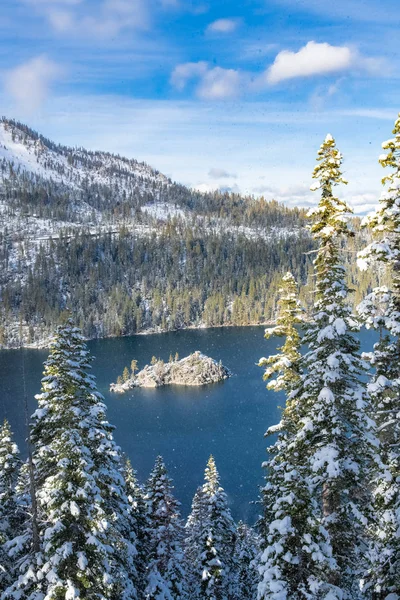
point(82, 232)
point(75, 522)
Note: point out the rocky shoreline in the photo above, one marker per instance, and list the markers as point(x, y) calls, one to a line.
point(193, 370)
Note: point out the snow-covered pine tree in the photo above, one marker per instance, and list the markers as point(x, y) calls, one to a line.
point(245, 560)
point(381, 311)
point(214, 564)
point(282, 370)
point(336, 426)
point(86, 551)
point(140, 527)
point(193, 528)
point(166, 578)
point(296, 553)
point(10, 514)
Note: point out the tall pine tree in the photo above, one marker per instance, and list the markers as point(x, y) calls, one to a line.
point(381, 311)
point(296, 550)
point(86, 550)
point(336, 424)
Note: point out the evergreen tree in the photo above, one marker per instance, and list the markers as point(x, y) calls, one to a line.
point(245, 561)
point(285, 365)
point(213, 565)
point(193, 530)
point(296, 551)
point(140, 527)
point(86, 550)
point(335, 423)
point(10, 512)
point(381, 311)
point(166, 574)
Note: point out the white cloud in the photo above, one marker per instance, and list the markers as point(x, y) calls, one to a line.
point(162, 133)
point(213, 83)
point(218, 83)
point(29, 83)
point(111, 17)
point(205, 187)
point(216, 173)
point(187, 71)
point(321, 59)
point(312, 59)
point(223, 26)
point(293, 195)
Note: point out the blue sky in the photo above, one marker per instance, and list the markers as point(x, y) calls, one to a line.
point(214, 94)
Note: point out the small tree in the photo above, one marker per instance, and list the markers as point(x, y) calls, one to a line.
point(125, 374)
point(134, 366)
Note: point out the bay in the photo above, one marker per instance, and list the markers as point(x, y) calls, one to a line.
point(183, 424)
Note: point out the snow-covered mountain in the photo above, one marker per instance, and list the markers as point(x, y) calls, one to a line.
point(123, 246)
point(27, 151)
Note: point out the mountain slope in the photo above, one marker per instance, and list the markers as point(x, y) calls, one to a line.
point(126, 249)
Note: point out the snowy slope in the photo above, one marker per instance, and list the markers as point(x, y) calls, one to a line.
point(28, 152)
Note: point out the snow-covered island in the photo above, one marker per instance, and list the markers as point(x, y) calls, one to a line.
point(195, 369)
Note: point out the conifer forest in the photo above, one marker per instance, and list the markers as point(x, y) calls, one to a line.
point(75, 521)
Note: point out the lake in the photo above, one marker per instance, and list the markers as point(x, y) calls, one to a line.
point(184, 425)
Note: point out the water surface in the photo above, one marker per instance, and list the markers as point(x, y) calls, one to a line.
point(183, 424)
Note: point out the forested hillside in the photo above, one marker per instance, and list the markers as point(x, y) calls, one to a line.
point(127, 250)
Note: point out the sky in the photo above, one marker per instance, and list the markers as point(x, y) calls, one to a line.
point(223, 94)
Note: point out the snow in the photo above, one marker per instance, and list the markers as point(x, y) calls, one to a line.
point(163, 211)
point(327, 458)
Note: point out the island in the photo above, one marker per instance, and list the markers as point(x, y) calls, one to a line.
point(195, 370)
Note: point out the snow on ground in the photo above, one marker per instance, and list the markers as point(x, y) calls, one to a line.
point(98, 168)
point(24, 156)
point(163, 211)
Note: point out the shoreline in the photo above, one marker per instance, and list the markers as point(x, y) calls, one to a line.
point(45, 344)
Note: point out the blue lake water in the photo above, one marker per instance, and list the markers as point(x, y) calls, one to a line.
point(183, 424)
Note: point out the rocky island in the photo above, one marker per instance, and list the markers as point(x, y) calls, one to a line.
point(195, 369)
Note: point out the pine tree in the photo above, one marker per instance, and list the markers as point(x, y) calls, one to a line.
point(10, 512)
point(336, 426)
point(193, 529)
point(86, 550)
point(381, 311)
point(125, 374)
point(245, 560)
point(166, 574)
point(296, 551)
point(216, 535)
point(140, 527)
point(285, 365)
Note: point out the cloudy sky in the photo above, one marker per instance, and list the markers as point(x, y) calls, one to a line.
point(215, 94)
